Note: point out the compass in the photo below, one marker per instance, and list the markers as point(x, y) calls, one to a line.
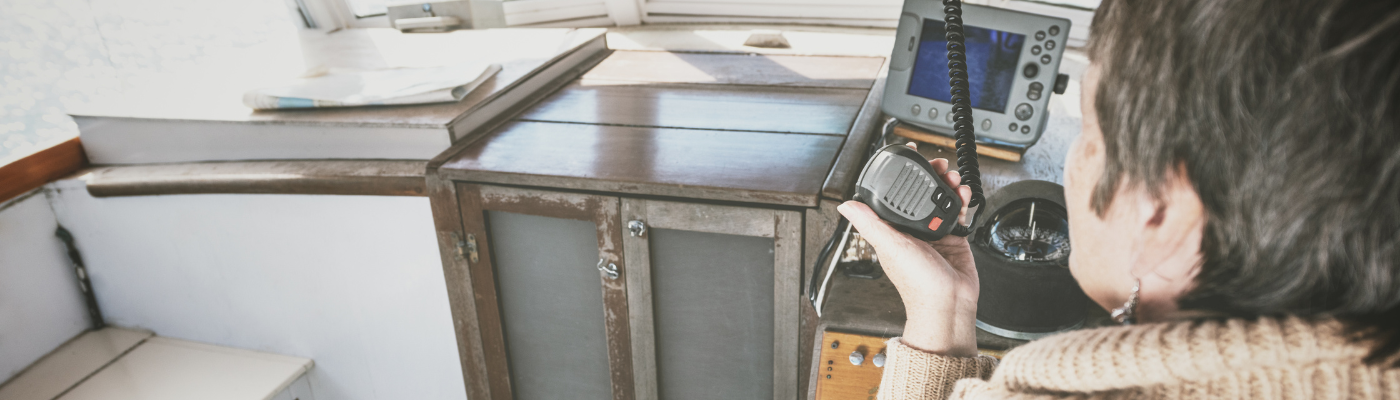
point(1022, 254)
point(1029, 230)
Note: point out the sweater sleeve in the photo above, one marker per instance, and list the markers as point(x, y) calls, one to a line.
point(911, 374)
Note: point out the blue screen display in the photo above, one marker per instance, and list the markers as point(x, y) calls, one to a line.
point(991, 65)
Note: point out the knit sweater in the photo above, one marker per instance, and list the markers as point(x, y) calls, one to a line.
point(1284, 358)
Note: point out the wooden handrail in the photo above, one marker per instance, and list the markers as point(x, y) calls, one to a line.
point(42, 167)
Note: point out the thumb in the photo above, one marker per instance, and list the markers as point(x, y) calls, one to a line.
point(870, 226)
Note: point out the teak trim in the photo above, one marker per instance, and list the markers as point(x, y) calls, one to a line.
point(852, 156)
point(604, 212)
point(315, 177)
point(44, 166)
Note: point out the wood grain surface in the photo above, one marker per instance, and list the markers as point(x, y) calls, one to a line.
point(839, 379)
point(983, 149)
point(755, 167)
point(739, 69)
point(337, 177)
point(723, 107)
point(35, 170)
point(867, 128)
point(450, 229)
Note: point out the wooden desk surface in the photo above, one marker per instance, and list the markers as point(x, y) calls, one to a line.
point(725, 127)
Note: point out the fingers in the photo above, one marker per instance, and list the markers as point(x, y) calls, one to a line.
point(953, 178)
point(940, 165)
point(874, 230)
point(965, 193)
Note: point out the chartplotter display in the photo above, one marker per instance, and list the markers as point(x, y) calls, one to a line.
point(991, 65)
point(1013, 62)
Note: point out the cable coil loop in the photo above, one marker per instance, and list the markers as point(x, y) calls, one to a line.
point(965, 139)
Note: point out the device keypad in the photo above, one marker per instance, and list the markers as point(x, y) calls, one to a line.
point(1054, 31)
point(1049, 44)
point(1024, 111)
point(1040, 35)
point(1035, 50)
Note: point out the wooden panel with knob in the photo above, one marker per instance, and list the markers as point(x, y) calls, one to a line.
point(838, 377)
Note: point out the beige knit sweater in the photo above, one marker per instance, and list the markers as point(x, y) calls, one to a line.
point(1286, 358)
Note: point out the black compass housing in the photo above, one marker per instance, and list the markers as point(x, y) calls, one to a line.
point(1027, 290)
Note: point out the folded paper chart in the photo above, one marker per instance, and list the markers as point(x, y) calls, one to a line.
point(379, 87)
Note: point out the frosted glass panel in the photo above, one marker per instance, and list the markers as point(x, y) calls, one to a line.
point(551, 306)
point(713, 298)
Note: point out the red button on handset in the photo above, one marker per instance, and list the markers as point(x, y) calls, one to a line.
point(935, 223)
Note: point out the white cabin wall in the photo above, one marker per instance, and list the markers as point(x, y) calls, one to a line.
point(352, 282)
point(40, 304)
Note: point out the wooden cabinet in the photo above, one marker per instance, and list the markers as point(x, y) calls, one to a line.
point(641, 233)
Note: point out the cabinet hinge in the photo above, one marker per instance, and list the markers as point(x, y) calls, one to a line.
point(466, 248)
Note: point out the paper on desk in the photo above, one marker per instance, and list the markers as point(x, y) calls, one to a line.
point(380, 87)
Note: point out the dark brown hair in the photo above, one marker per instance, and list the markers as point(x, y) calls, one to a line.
point(1283, 114)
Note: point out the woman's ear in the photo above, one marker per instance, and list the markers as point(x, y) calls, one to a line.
point(1169, 248)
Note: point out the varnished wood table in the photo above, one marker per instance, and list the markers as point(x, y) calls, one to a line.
point(644, 231)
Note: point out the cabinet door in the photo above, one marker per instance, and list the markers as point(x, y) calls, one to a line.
point(714, 297)
point(552, 320)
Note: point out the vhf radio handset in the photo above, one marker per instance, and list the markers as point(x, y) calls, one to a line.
point(899, 184)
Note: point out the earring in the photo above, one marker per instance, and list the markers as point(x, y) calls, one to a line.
point(1127, 314)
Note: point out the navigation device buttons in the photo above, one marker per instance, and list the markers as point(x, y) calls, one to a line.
point(1045, 59)
point(1049, 44)
point(986, 124)
point(1040, 35)
point(932, 113)
point(1014, 126)
point(915, 109)
point(1024, 111)
point(1035, 50)
point(1026, 129)
point(1031, 70)
point(1054, 31)
point(1035, 90)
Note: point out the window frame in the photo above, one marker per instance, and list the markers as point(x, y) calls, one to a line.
point(330, 15)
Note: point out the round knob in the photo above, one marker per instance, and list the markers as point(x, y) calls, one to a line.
point(857, 358)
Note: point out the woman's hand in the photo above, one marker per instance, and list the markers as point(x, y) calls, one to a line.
point(937, 280)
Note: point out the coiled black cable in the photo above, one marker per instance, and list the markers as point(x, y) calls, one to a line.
point(965, 144)
point(965, 140)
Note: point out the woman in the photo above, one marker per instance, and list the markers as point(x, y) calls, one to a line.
point(1235, 190)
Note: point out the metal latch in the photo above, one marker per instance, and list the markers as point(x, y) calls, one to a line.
point(637, 227)
point(610, 268)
